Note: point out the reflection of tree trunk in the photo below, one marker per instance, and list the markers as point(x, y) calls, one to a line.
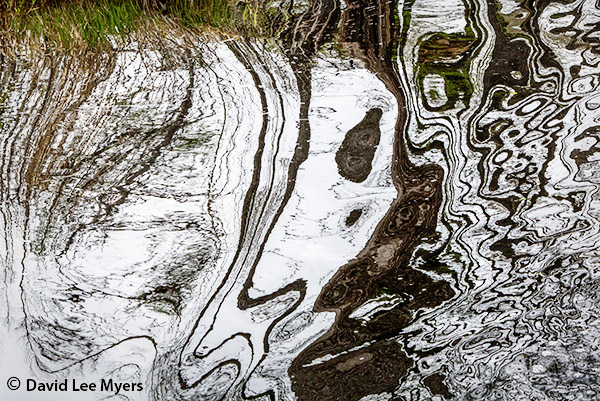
point(303, 40)
point(367, 356)
point(305, 34)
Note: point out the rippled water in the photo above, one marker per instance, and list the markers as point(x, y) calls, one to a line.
point(391, 201)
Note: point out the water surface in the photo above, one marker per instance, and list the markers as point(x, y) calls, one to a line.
point(388, 201)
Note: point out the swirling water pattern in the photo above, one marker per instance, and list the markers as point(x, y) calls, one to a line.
point(392, 201)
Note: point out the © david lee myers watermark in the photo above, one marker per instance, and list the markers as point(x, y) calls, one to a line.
point(105, 385)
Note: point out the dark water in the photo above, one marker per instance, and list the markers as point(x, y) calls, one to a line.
point(388, 201)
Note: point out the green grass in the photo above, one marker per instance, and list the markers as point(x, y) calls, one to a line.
point(76, 23)
point(65, 25)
